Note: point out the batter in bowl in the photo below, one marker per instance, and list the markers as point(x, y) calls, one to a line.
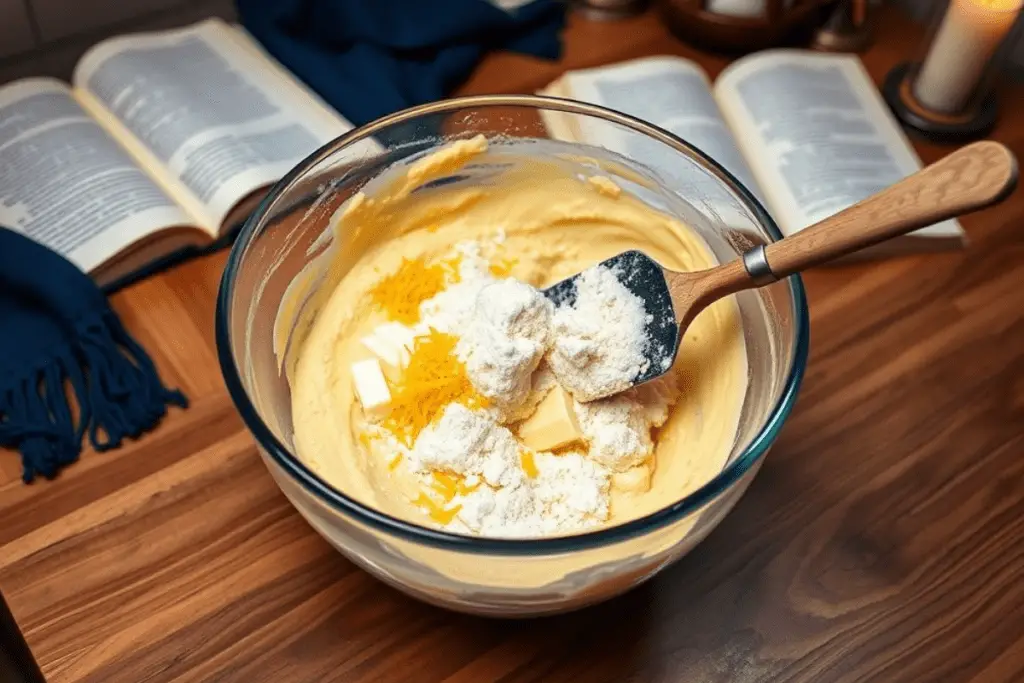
point(435, 383)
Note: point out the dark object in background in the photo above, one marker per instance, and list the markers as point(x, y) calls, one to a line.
point(368, 59)
point(928, 125)
point(609, 10)
point(16, 662)
point(780, 24)
point(847, 30)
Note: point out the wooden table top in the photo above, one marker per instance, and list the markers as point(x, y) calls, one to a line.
point(880, 542)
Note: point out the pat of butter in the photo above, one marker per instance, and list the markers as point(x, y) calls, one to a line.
point(371, 387)
point(391, 343)
point(553, 424)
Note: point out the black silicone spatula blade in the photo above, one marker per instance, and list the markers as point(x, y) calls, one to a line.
point(645, 278)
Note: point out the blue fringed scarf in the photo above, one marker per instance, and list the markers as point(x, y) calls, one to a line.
point(58, 331)
point(368, 58)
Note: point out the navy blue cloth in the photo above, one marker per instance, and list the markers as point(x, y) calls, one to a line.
point(368, 58)
point(59, 334)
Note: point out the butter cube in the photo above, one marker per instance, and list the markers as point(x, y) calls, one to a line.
point(371, 388)
point(391, 343)
point(553, 425)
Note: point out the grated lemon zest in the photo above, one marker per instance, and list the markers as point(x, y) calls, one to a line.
point(502, 267)
point(437, 512)
point(433, 379)
point(400, 294)
point(529, 464)
point(451, 485)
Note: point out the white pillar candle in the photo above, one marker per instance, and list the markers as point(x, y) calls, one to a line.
point(738, 8)
point(969, 35)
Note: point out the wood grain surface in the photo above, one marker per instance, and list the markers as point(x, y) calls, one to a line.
point(880, 542)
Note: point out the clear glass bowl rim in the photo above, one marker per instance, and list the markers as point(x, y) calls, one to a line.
point(410, 531)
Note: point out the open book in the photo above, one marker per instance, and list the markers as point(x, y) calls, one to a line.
point(808, 134)
point(163, 141)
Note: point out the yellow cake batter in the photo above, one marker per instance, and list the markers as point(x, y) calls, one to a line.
point(552, 223)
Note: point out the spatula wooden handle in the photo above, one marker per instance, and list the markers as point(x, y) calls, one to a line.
point(971, 178)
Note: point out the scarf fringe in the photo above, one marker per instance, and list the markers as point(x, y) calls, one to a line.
point(116, 388)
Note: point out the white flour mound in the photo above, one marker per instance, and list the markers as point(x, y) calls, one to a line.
point(569, 491)
point(599, 343)
point(506, 330)
point(468, 442)
point(505, 340)
point(618, 432)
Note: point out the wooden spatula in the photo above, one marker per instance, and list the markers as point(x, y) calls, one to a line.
point(976, 176)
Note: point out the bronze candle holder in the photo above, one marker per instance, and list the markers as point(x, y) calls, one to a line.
point(846, 30)
point(609, 10)
point(738, 26)
point(946, 94)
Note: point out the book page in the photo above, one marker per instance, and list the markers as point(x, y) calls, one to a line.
point(66, 183)
point(816, 133)
point(217, 116)
point(669, 92)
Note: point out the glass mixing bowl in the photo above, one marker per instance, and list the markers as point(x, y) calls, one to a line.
point(283, 252)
